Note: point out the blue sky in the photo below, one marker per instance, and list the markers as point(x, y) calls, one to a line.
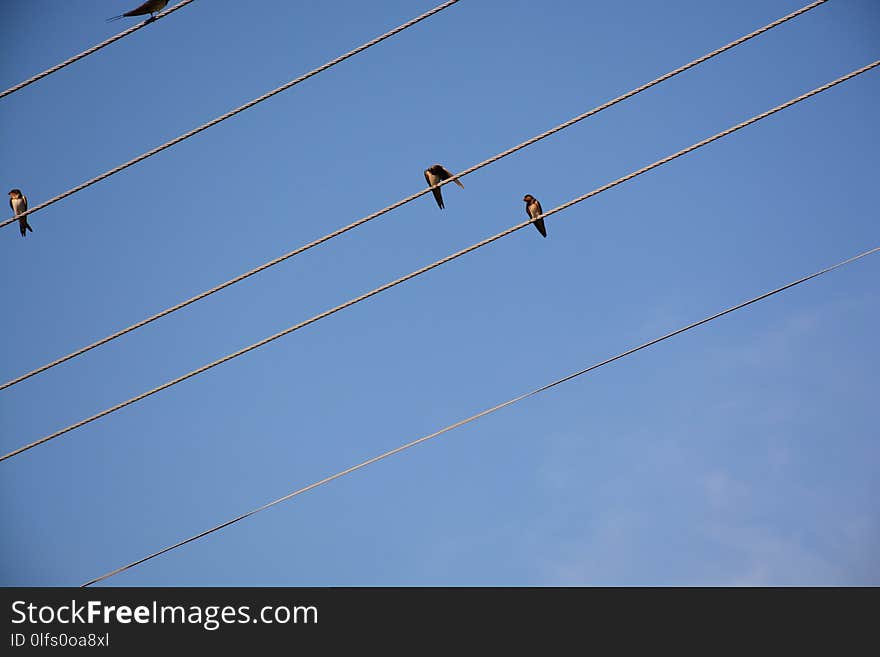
point(743, 453)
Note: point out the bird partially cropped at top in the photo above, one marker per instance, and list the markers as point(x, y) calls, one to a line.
point(18, 203)
point(151, 7)
point(533, 209)
point(436, 174)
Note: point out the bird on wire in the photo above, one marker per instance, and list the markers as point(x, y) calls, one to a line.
point(18, 203)
point(436, 174)
point(533, 209)
point(151, 7)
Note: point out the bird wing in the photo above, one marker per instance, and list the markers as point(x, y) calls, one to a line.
point(147, 7)
point(435, 190)
point(446, 175)
point(154, 5)
point(24, 198)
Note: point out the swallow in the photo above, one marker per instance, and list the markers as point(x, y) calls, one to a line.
point(436, 174)
point(533, 209)
point(18, 203)
point(151, 7)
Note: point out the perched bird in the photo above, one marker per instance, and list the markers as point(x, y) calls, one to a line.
point(436, 174)
point(151, 7)
point(533, 209)
point(18, 203)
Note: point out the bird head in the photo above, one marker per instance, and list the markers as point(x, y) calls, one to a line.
point(528, 198)
point(15, 193)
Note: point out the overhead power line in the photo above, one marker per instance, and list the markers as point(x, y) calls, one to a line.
point(477, 416)
point(437, 263)
point(379, 213)
point(93, 49)
point(230, 114)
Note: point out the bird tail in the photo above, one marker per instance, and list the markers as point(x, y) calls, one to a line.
point(438, 197)
point(115, 18)
point(24, 226)
point(539, 224)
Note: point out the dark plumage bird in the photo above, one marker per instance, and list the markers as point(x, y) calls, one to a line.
point(533, 209)
point(18, 203)
point(436, 174)
point(151, 7)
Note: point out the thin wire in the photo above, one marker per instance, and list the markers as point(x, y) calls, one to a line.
point(434, 265)
point(483, 413)
point(406, 200)
point(93, 49)
point(230, 114)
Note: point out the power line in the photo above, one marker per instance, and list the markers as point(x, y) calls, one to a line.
point(230, 114)
point(406, 200)
point(436, 264)
point(93, 49)
point(482, 413)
